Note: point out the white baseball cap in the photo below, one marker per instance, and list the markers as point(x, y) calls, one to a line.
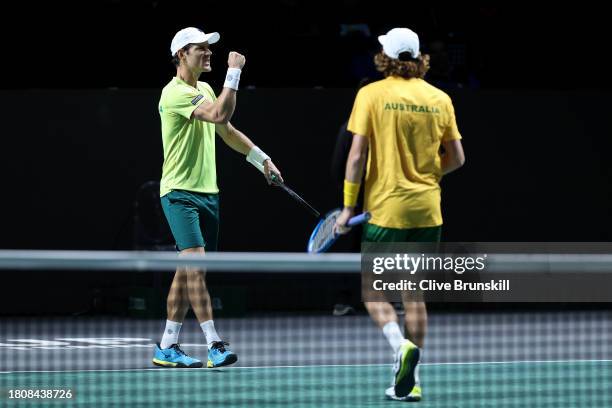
point(191, 35)
point(400, 40)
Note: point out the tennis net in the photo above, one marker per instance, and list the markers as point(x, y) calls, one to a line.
point(79, 328)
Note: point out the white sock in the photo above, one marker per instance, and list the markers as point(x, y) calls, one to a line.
point(394, 335)
point(171, 334)
point(208, 327)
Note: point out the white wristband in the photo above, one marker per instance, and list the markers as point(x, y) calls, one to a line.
point(232, 78)
point(257, 157)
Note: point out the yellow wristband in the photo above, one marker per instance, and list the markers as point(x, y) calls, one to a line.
point(351, 192)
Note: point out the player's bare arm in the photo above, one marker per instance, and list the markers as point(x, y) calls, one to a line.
point(242, 144)
point(453, 156)
point(221, 111)
point(355, 165)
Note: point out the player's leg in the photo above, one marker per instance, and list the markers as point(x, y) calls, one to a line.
point(219, 353)
point(406, 353)
point(182, 217)
point(415, 319)
point(195, 288)
point(415, 311)
point(177, 303)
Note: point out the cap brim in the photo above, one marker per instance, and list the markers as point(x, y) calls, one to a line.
point(212, 38)
point(382, 39)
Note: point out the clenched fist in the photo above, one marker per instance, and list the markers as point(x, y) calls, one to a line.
point(236, 60)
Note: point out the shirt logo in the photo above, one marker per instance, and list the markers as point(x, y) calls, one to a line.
point(196, 99)
point(412, 108)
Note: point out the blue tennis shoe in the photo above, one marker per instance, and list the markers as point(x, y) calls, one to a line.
point(174, 357)
point(219, 355)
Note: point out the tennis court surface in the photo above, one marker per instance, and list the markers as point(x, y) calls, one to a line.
point(543, 359)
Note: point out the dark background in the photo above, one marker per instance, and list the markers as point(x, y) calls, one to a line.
point(80, 134)
point(289, 43)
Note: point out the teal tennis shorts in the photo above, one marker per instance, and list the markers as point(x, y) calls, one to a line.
point(193, 218)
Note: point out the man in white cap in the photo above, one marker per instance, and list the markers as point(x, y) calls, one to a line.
point(402, 121)
point(191, 114)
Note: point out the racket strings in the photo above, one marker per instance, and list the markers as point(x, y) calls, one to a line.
point(326, 232)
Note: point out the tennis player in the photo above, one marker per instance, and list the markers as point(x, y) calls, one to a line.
point(191, 114)
point(402, 121)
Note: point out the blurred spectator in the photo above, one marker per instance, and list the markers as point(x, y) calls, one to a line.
point(357, 48)
point(449, 63)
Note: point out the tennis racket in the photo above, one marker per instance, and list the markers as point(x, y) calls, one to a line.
point(292, 193)
point(323, 235)
point(295, 196)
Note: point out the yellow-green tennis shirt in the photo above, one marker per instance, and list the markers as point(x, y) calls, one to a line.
point(405, 121)
point(189, 143)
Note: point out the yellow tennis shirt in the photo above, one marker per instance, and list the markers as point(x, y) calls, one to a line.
point(405, 121)
point(189, 143)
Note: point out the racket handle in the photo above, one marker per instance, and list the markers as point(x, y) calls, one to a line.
point(260, 167)
point(359, 219)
